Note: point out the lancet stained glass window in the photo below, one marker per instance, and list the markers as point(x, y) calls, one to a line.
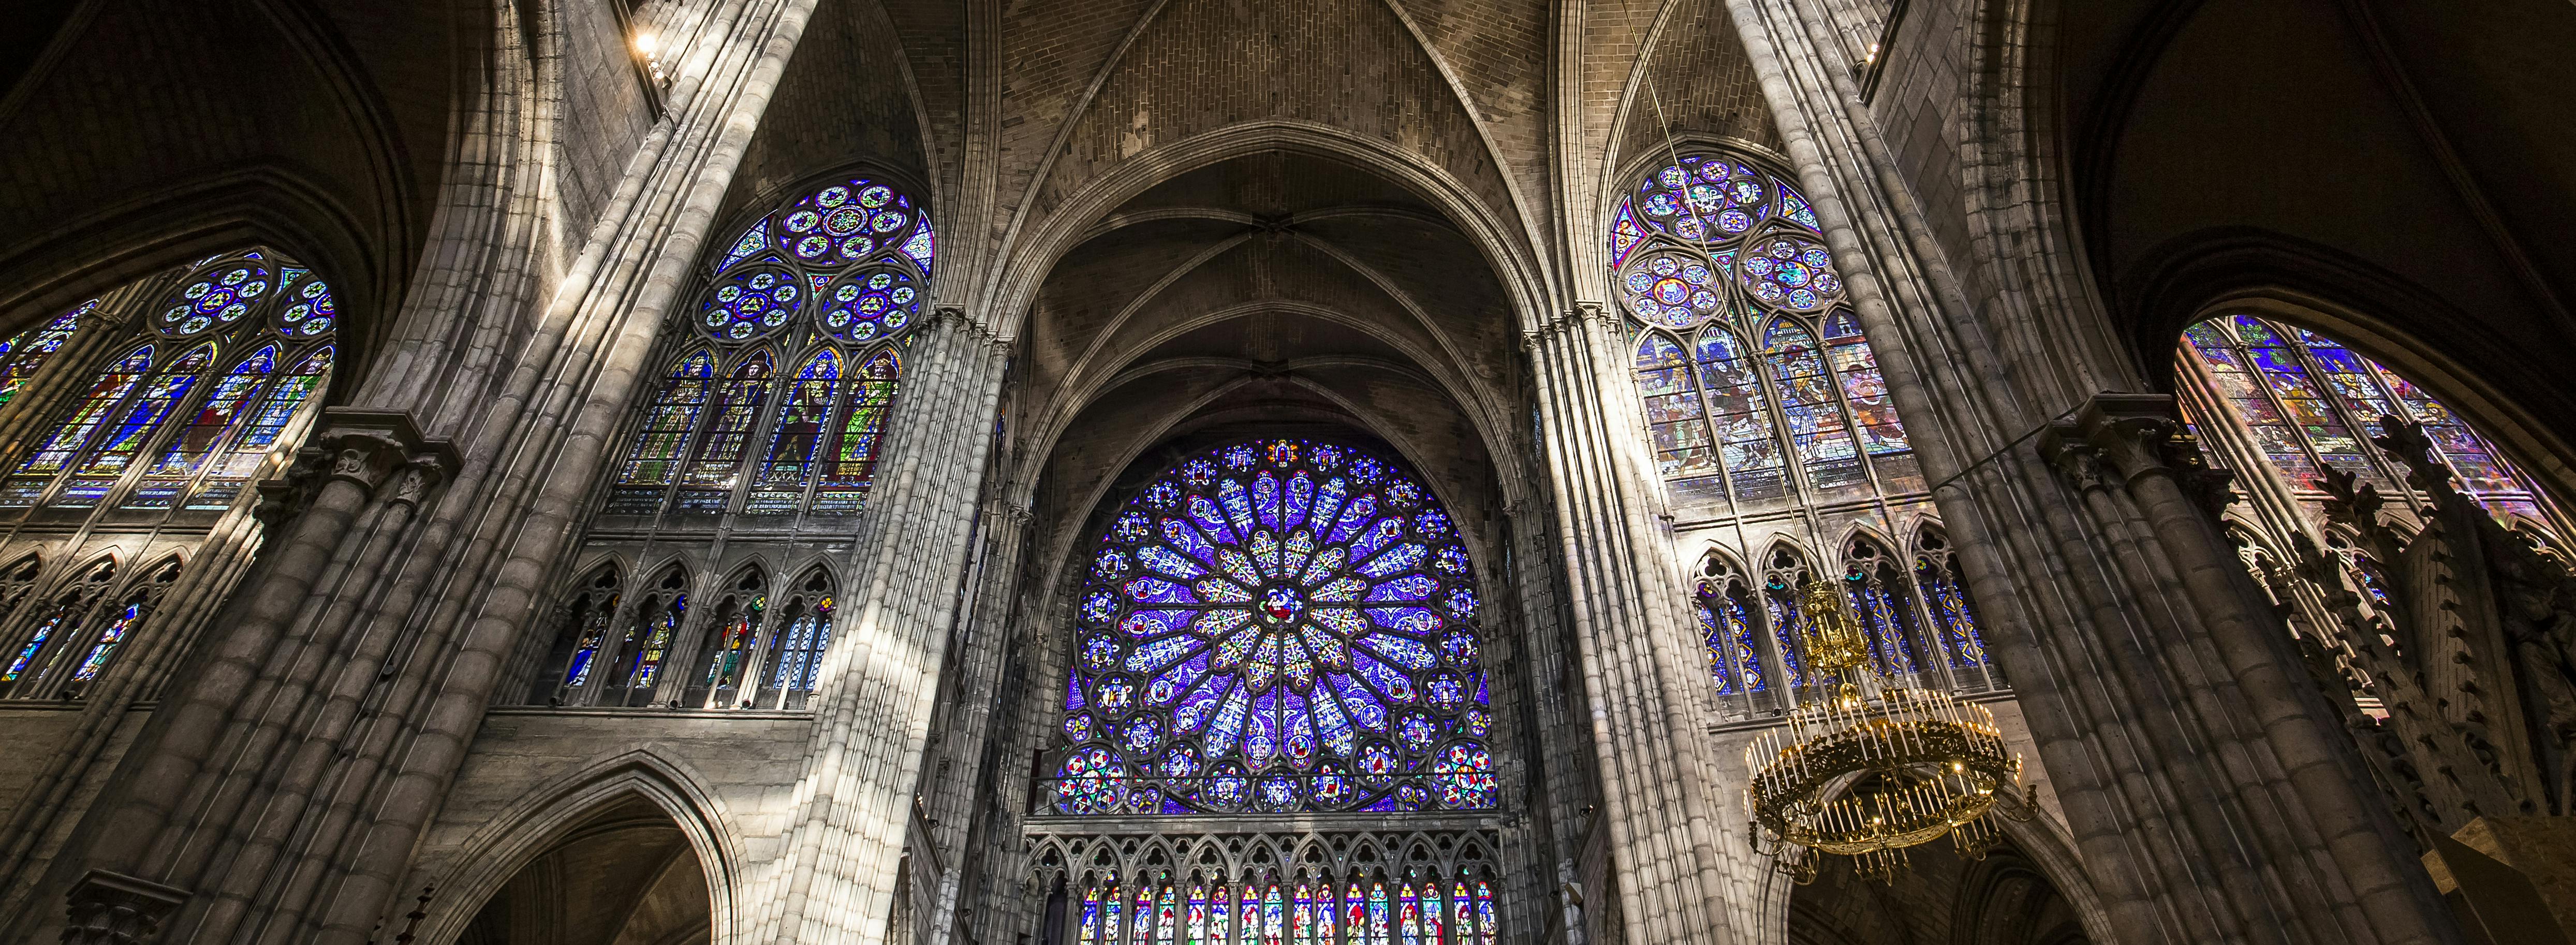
point(1721, 264)
point(21, 356)
point(1277, 625)
point(824, 291)
point(2310, 402)
point(161, 406)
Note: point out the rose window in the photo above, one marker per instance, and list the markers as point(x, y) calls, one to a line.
point(1278, 625)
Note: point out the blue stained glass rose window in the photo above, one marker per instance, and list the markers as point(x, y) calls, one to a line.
point(1277, 626)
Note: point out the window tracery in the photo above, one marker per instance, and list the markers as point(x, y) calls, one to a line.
point(1721, 266)
point(828, 286)
point(1920, 626)
point(1277, 625)
point(2308, 403)
point(147, 413)
point(204, 358)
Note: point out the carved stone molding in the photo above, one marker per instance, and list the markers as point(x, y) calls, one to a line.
point(2132, 435)
point(380, 451)
point(116, 909)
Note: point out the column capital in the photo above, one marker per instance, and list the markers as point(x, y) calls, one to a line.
point(381, 452)
point(109, 908)
point(2134, 435)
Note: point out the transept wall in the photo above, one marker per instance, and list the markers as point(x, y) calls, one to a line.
point(1165, 226)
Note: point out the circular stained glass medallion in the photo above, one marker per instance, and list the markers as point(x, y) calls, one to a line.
point(1703, 198)
point(1277, 626)
point(1791, 273)
point(750, 302)
point(1678, 290)
point(217, 295)
point(871, 304)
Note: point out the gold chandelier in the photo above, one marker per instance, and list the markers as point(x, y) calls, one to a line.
point(1872, 769)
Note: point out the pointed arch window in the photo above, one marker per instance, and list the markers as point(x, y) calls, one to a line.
point(160, 406)
point(53, 631)
point(1884, 600)
point(729, 654)
point(1731, 626)
point(1276, 626)
point(585, 638)
point(826, 291)
point(649, 636)
point(2306, 402)
point(796, 662)
point(1721, 267)
point(1952, 619)
point(20, 357)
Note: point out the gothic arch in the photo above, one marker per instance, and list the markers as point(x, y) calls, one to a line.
point(1015, 284)
point(484, 860)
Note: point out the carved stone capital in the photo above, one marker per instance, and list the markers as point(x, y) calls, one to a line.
point(379, 451)
point(115, 909)
point(2127, 436)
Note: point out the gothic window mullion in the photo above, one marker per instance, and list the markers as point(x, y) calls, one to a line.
point(2359, 427)
point(164, 430)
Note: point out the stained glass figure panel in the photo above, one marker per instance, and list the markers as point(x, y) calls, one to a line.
point(61, 446)
point(233, 467)
point(21, 356)
point(850, 465)
point(197, 439)
point(1277, 625)
point(1817, 432)
point(2304, 397)
point(803, 416)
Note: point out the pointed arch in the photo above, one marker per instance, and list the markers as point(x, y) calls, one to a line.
point(204, 431)
point(715, 465)
point(850, 467)
point(794, 666)
point(1731, 626)
point(2307, 403)
point(55, 627)
point(120, 620)
point(583, 635)
point(1883, 598)
point(1956, 630)
point(68, 437)
point(22, 356)
point(655, 452)
point(1818, 435)
point(1785, 570)
point(729, 656)
point(651, 630)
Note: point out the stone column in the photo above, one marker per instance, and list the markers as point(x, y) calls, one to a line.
point(2209, 793)
point(834, 880)
point(282, 793)
point(1667, 845)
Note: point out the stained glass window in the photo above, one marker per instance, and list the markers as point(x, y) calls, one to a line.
point(1277, 625)
point(22, 355)
point(1884, 601)
point(654, 628)
point(797, 663)
point(730, 653)
point(1962, 642)
point(55, 627)
point(2306, 401)
point(1784, 613)
point(826, 290)
point(259, 437)
point(161, 409)
point(121, 620)
point(661, 439)
point(1708, 252)
point(1729, 627)
point(585, 635)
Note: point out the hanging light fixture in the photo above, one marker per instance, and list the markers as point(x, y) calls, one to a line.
point(1872, 769)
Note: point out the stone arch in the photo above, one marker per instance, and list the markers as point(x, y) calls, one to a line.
point(541, 820)
point(1515, 266)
